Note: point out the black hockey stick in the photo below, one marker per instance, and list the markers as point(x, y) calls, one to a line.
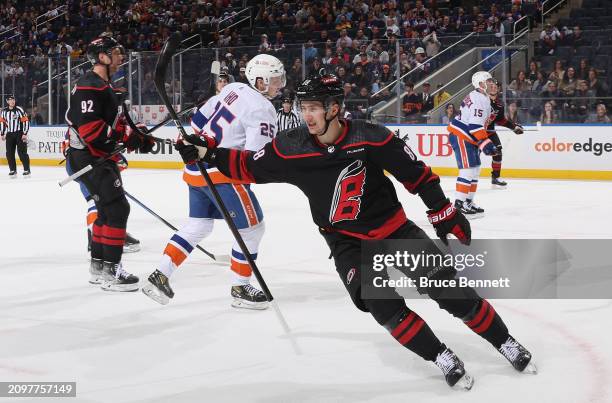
point(163, 61)
point(172, 227)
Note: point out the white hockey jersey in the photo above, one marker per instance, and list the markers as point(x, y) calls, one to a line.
point(474, 117)
point(238, 117)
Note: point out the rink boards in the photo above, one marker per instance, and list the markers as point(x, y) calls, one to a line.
point(551, 151)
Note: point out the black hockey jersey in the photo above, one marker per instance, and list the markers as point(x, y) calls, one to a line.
point(93, 116)
point(345, 183)
point(497, 109)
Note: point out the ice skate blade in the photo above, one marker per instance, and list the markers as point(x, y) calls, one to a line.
point(242, 304)
point(498, 187)
point(531, 369)
point(109, 286)
point(474, 216)
point(466, 382)
point(95, 279)
point(131, 248)
point(152, 292)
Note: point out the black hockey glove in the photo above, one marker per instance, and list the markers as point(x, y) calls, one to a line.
point(518, 129)
point(189, 153)
point(448, 220)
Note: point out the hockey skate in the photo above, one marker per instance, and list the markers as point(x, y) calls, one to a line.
point(26, 174)
point(117, 279)
point(478, 211)
point(453, 369)
point(498, 183)
point(518, 356)
point(248, 297)
point(95, 271)
point(158, 288)
point(469, 213)
point(13, 174)
point(130, 244)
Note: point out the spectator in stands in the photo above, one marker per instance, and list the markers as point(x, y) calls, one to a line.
point(387, 75)
point(441, 96)
point(358, 79)
point(242, 78)
point(295, 72)
point(600, 116)
point(449, 114)
point(349, 94)
point(427, 100)
point(539, 85)
point(310, 52)
point(362, 103)
point(520, 85)
point(575, 37)
point(279, 42)
point(599, 88)
point(36, 118)
point(533, 71)
point(582, 101)
point(432, 44)
point(341, 73)
point(411, 104)
point(552, 95)
point(583, 69)
point(264, 46)
point(549, 115)
point(558, 72)
point(344, 41)
point(569, 84)
point(549, 38)
point(423, 65)
point(512, 113)
point(315, 66)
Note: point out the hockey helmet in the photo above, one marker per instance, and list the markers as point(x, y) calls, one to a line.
point(103, 44)
point(323, 88)
point(481, 77)
point(265, 67)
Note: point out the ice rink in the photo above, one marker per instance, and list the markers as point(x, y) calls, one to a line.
point(127, 348)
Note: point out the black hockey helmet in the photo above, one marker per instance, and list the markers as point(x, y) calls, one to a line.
point(102, 44)
point(325, 88)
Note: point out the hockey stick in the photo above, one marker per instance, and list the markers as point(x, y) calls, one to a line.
point(101, 161)
point(163, 61)
point(537, 129)
point(172, 227)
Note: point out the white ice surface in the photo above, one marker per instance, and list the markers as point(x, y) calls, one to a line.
point(126, 348)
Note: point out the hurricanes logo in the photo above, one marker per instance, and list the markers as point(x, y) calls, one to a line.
point(346, 203)
point(350, 275)
point(117, 183)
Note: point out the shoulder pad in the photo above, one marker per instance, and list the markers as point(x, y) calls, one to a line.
point(361, 131)
point(295, 143)
point(90, 79)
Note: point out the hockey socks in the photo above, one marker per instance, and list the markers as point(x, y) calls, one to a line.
point(486, 322)
point(413, 333)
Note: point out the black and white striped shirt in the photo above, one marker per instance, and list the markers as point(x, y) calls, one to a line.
point(14, 120)
point(286, 121)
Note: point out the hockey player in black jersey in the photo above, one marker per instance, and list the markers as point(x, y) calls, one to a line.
point(96, 129)
point(497, 108)
point(340, 166)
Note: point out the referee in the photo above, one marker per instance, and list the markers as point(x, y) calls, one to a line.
point(14, 126)
point(285, 117)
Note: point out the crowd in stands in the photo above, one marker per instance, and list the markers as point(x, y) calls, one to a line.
point(358, 40)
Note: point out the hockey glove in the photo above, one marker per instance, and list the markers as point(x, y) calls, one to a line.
point(487, 147)
point(189, 153)
point(518, 129)
point(147, 145)
point(448, 220)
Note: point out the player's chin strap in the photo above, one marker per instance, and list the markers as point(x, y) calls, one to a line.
point(328, 121)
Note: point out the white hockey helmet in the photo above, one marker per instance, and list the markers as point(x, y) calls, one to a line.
point(265, 67)
point(481, 77)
